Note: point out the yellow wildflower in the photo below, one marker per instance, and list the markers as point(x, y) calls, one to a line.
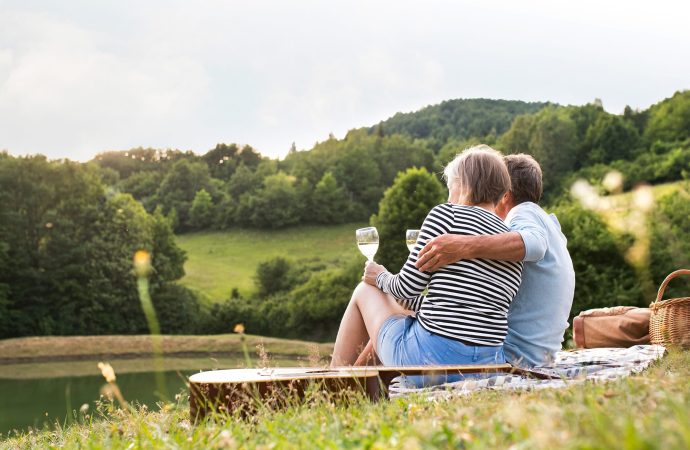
point(142, 263)
point(107, 371)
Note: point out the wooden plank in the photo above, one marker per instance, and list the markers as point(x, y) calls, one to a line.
point(228, 390)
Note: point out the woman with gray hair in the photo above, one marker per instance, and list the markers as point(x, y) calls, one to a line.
point(462, 319)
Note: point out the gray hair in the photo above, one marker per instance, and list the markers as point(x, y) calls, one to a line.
point(481, 173)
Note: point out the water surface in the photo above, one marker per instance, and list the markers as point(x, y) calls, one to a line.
point(41, 394)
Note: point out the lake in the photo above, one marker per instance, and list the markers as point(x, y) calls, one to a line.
point(38, 394)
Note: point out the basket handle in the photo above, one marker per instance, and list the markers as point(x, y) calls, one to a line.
point(668, 279)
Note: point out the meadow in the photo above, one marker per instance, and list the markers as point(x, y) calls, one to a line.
point(649, 410)
point(220, 261)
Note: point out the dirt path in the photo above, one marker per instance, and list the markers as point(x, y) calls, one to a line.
point(47, 349)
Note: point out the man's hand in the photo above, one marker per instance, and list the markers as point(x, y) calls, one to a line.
point(443, 250)
point(371, 271)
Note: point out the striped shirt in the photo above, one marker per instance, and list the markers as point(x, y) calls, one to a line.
point(467, 300)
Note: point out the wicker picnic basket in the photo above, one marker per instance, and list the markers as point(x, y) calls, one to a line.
point(669, 323)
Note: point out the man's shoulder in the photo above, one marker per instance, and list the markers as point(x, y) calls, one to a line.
point(528, 207)
point(526, 210)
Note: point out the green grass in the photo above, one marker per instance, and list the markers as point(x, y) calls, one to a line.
point(220, 261)
point(646, 411)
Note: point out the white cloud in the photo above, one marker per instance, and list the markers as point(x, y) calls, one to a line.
point(62, 88)
point(79, 77)
point(340, 93)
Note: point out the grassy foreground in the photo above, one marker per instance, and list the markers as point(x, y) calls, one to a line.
point(650, 410)
point(220, 261)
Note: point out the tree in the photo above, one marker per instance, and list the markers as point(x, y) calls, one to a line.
point(276, 205)
point(273, 276)
point(143, 186)
point(611, 138)
point(243, 181)
point(177, 310)
point(5, 317)
point(397, 153)
point(225, 212)
point(166, 257)
point(70, 247)
point(452, 148)
point(222, 160)
point(404, 205)
point(554, 144)
point(551, 137)
point(250, 157)
point(669, 120)
point(670, 248)
point(329, 202)
point(201, 214)
point(358, 172)
point(517, 138)
point(457, 119)
point(179, 187)
point(604, 277)
point(49, 215)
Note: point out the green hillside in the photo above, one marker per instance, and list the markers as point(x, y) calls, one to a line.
point(220, 261)
point(459, 118)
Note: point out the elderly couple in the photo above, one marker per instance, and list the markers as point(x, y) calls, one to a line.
point(498, 278)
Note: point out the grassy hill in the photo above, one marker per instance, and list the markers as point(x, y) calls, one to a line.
point(220, 261)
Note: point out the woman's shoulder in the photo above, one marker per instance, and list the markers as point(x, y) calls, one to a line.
point(441, 218)
point(479, 215)
point(443, 210)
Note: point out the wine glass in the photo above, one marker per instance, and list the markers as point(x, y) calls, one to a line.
point(368, 241)
point(411, 237)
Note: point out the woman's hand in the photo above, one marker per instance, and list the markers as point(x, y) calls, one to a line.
point(371, 271)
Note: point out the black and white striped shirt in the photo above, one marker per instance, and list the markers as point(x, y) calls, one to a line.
point(467, 300)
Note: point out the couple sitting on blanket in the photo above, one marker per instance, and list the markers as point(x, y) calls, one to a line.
point(496, 269)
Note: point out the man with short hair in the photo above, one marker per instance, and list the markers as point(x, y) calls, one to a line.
point(538, 316)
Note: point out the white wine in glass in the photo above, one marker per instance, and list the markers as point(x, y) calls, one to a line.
point(368, 241)
point(411, 237)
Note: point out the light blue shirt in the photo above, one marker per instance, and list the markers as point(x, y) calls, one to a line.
point(538, 315)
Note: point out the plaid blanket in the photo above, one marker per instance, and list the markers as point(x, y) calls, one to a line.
point(595, 364)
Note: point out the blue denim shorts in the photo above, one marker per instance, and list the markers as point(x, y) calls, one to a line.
point(402, 341)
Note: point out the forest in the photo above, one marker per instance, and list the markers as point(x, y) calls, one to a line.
point(68, 230)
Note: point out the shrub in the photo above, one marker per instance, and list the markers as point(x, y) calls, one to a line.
point(177, 310)
point(602, 275)
point(275, 275)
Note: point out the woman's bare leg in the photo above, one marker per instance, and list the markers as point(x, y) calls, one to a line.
point(368, 357)
point(366, 312)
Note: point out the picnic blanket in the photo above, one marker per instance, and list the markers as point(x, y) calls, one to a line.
point(595, 364)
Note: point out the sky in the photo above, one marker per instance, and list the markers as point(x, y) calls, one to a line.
point(78, 77)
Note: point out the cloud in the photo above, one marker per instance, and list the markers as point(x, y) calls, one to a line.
point(80, 77)
point(62, 87)
point(342, 93)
